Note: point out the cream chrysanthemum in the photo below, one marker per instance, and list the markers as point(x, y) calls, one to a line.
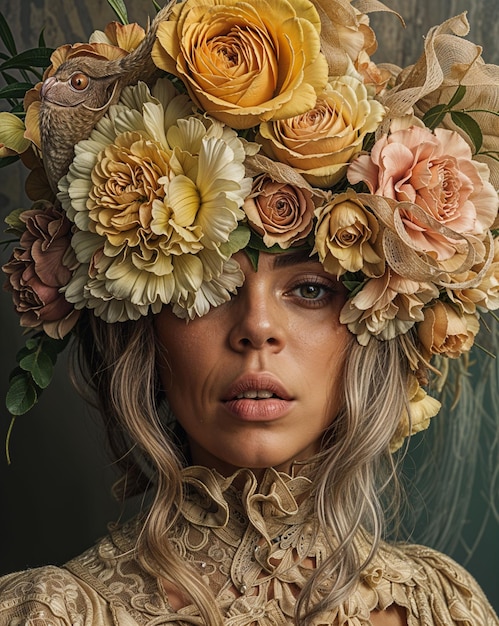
point(156, 195)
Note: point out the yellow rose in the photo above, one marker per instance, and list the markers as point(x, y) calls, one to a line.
point(346, 237)
point(444, 331)
point(321, 142)
point(244, 63)
point(422, 408)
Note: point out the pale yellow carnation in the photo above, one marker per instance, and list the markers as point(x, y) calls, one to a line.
point(245, 62)
point(322, 141)
point(347, 237)
point(156, 195)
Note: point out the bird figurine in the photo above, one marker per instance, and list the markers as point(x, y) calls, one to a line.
point(80, 92)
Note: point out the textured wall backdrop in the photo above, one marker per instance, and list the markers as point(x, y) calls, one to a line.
point(54, 498)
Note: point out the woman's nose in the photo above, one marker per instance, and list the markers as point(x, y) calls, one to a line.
point(258, 322)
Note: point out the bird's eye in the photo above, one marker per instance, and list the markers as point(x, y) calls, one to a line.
point(79, 81)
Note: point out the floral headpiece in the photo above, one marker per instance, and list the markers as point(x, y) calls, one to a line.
point(256, 125)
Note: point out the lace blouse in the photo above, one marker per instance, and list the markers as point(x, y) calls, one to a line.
point(255, 548)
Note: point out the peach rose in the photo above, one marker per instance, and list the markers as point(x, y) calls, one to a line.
point(347, 237)
point(321, 142)
point(386, 307)
point(245, 62)
point(36, 271)
point(436, 172)
point(281, 212)
point(445, 331)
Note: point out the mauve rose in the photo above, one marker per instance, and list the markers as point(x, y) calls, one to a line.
point(282, 213)
point(36, 271)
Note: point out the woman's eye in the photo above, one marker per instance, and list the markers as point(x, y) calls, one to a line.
point(312, 291)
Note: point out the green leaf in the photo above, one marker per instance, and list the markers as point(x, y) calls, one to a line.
point(118, 6)
point(434, 116)
point(353, 281)
point(470, 127)
point(41, 39)
point(257, 243)
point(52, 347)
point(6, 36)
point(40, 366)
point(33, 342)
point(238, 240)
point(36, 57)
point(22, 353)
point(457, 97)
point(22, 394)
point(10, 80)
point(253, 255)
point(14, 223)
point(15, 90)
point(4, 161)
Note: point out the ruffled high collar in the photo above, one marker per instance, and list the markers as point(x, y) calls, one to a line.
point(264, 509)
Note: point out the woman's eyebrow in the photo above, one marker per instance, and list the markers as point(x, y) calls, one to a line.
point(292, 258)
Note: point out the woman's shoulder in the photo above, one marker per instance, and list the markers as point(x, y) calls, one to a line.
point(50, 595)
point(62, 596)
point(98, 587)
point(429, 585)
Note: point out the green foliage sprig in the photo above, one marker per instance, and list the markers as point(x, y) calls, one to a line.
point(462, 119)
point(33, 374)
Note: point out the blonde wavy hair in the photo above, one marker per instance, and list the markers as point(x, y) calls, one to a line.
point(354, 467)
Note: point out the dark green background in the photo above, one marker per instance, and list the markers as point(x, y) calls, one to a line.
point(55, 496)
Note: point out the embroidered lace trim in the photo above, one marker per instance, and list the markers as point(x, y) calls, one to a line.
point(255, 548)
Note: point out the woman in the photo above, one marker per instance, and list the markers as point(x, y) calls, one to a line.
point(254, 321)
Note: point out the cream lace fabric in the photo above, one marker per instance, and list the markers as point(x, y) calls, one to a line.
point(255, 548)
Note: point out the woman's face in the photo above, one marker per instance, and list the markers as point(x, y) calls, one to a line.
point(257, 380)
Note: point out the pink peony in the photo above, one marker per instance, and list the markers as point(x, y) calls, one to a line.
point(436, 172)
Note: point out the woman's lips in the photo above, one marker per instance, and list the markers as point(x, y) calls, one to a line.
point(258, 397)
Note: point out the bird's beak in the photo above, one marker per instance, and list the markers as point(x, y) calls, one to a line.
point(47, 85)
